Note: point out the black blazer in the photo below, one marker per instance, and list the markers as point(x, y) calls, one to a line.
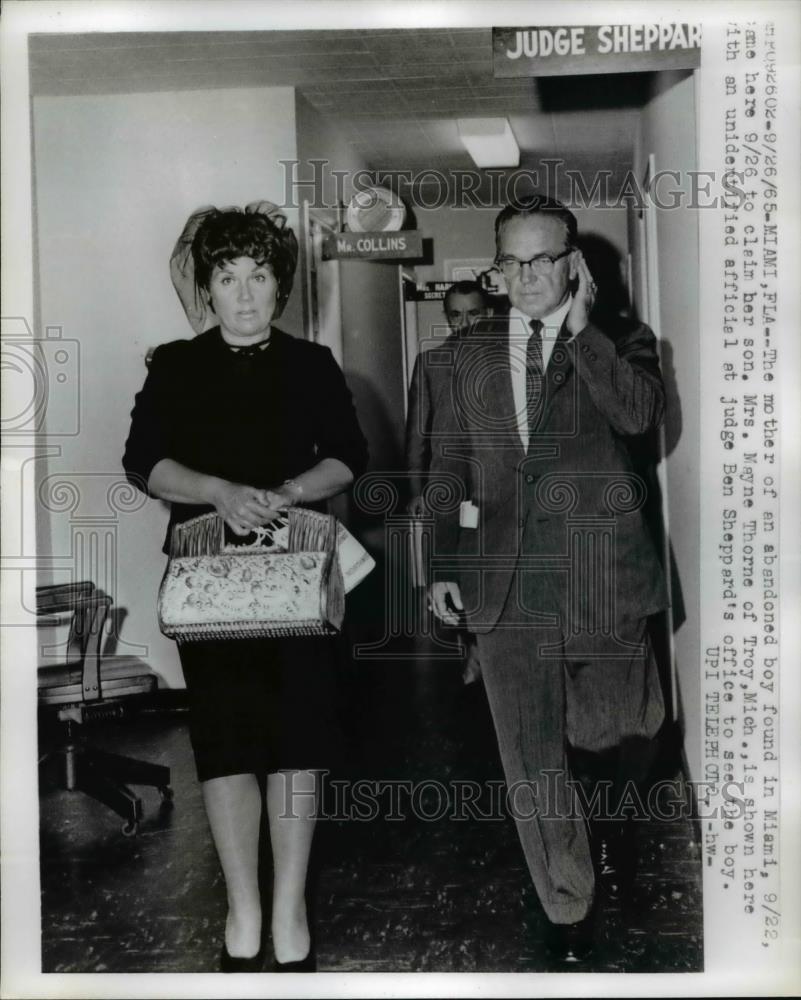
point(257, 421)
point(429, 417)
point(602, 389)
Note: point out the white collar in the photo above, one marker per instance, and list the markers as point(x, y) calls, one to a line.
point(553, 321)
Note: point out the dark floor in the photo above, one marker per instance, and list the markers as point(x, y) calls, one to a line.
point(391, 895)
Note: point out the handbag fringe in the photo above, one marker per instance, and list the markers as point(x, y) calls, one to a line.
point(308, 531)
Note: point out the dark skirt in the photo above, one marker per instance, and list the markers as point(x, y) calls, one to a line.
point(258, 706)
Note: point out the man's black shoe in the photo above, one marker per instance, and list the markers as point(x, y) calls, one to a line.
point(571, 944)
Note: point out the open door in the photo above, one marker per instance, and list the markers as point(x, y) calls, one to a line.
point(322, 304)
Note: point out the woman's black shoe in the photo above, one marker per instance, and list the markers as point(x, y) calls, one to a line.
point(307, 964)
point(229, 963)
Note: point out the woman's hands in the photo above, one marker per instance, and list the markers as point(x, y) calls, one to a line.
point(245, 508)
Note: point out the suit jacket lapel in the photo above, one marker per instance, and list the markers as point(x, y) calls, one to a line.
point(487, 385)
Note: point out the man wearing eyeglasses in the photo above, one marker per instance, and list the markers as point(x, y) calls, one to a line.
point(559, 574)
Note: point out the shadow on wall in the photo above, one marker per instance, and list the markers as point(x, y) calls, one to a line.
point(673, 416)
point(672, 737)
point(612, 306)
point(605, 262)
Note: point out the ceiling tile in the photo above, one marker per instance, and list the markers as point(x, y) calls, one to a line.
point(395, 94)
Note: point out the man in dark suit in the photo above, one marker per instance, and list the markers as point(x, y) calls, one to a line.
point(551, 563)
point(429, 412)
point(464, 303)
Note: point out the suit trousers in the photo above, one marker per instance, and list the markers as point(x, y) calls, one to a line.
point(542, 699)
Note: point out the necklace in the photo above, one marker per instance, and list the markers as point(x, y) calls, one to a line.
point(250, 351)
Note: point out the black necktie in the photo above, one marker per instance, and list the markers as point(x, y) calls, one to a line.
point(535, 373)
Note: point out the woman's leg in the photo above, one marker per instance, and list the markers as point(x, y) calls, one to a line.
point(291, 811)
point(233, 806)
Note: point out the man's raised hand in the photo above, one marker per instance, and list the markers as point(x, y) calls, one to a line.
point(584, 297)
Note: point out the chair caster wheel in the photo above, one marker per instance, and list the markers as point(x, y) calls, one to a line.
point(130, 829)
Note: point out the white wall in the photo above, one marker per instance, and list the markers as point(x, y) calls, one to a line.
point(116, 178)
point(668, 131)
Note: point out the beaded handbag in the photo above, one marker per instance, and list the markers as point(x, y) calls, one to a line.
point(288, 582)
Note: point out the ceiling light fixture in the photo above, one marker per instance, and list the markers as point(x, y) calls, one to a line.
point(489, 141)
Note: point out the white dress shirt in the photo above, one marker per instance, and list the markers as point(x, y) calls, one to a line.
point(519, 333)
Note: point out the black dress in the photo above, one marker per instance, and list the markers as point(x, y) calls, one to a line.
point(255, 705)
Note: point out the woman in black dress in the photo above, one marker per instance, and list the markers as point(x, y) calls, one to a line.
point(246, 420)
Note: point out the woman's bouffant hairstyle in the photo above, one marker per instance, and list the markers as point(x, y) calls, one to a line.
point(227, 234)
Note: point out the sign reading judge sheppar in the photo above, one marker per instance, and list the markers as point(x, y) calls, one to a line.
point(596, 48)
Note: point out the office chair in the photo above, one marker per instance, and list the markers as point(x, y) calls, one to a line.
point(83, 688)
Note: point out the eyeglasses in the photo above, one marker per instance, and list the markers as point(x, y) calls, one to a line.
point(543, 263)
